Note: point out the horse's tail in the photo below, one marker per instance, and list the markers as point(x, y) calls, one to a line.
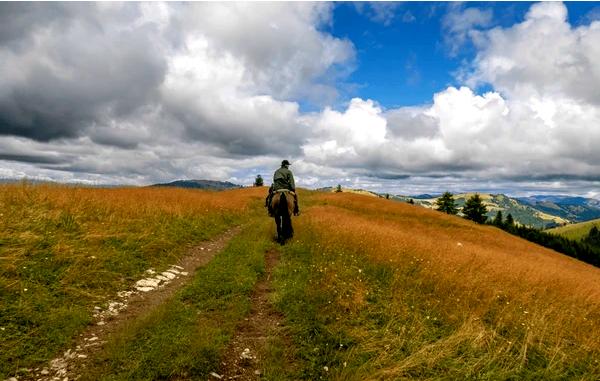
point(282, 207)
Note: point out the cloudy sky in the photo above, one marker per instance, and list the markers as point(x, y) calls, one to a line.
point(402, 98)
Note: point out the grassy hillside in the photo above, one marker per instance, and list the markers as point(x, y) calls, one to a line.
point(576, 209)
point(64, 250)
point(415, 293)
point(575, 231)
point(522, 213)
point(369, 289)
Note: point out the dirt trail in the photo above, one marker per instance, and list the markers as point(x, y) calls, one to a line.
point(144, 296)
point(243, 356)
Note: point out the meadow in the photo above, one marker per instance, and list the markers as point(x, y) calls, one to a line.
point(575, 231)
point(397, 292)
point(369, 289)
point(65, 250)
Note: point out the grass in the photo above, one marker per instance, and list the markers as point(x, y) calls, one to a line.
point(576, 231)
point(413, 293)
point(370, 289)
point(186, 337)
point(64, 250)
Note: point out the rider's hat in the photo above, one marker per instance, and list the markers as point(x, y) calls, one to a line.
point(285, 162)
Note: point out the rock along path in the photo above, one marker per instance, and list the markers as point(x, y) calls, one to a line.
point(145, 295)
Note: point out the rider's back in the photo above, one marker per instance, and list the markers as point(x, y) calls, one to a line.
point(283, 179)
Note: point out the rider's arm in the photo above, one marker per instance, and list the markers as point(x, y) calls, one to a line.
point(292, 183)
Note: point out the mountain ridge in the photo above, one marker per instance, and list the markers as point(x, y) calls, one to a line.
point(200, 184)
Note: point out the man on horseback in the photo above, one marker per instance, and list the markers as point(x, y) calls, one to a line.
point(283, 179)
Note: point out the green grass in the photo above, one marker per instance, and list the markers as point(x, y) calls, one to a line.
point(64, 250)
point(185, 338)
point(575, 231)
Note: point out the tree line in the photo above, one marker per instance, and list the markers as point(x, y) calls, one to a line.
point(586, 250)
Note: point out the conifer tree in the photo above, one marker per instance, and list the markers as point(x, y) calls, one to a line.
point(498, 219)
point(510, 222)
point(338, 189)
point(258, 182)
point(446, 203)
point(474, 209)
point(411, 201)
point(593, 237)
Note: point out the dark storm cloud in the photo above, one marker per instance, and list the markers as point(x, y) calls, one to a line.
point(387, 176)
point(36, 159)
point(555, 177)
point(82, 65)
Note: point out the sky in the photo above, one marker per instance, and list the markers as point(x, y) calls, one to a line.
point(401, 98)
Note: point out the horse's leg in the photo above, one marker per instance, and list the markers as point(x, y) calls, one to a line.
point(290, 210)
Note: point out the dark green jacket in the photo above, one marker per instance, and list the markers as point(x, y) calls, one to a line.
point(283, 179)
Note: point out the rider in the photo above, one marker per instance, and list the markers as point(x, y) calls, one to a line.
point(283, 179)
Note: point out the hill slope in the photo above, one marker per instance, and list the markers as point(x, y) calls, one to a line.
point(576, 231)
point(368, 289)
point(576, 209)
point(522, 213)
point(200, 184)
point(405, 292)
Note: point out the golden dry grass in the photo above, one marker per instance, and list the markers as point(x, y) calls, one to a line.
point(64, 249)
point(498, 301)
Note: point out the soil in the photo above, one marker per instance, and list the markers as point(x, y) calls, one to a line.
point(127, 307)
point(243, 360)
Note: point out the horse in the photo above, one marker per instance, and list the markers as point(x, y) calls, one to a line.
point(282, 205)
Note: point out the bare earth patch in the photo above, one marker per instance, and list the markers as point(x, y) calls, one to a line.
point(145, 295)
point(243, 359)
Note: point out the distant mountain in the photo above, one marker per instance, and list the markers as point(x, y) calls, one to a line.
point(575, 209)
point(540, 211)
point(522, 212)
point(349, 190)
point(200, 184)
point(424, 196)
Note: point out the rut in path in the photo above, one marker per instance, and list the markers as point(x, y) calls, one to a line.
point(91, 341)
point(243, 360)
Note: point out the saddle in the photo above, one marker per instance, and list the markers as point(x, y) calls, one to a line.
point(284, 191)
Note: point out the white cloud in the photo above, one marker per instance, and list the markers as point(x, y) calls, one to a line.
point(160, 90)
point(381, 11)
point(460, 23)
point(212, 90)
point(542, 57)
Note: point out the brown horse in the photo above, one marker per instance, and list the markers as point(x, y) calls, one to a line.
point(282, 205)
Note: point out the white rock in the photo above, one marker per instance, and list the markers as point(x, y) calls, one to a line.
point(144, 289)
point(147, 282)
point(169, 275)
point(215, 375)
point(246, 354)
